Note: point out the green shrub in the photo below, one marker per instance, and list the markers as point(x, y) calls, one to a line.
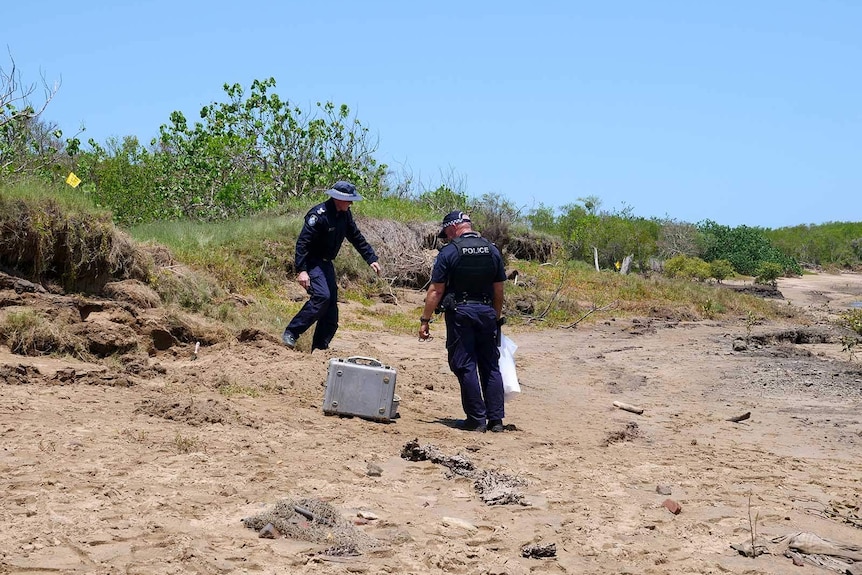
point(685, 267)
point(721, 270)
point(768, 273)
point(853, 320)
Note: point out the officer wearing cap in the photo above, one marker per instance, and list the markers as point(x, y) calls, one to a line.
point(326, 226)
point(467, 281)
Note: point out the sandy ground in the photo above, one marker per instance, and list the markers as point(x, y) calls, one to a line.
point(157, 477)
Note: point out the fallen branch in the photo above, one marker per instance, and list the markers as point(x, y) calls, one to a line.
point(739, 418)
point(628, 407)
point(594, 309)
point(553, 299)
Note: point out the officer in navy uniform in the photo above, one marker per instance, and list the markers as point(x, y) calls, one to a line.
point(467, 281)
point(326, 226)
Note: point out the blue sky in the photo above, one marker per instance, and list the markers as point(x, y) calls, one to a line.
point(743, 112)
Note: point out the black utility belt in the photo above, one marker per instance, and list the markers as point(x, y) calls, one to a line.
point(482, 300)
point(450, 301)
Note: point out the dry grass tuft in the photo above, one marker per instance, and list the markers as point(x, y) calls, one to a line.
point(27, 332)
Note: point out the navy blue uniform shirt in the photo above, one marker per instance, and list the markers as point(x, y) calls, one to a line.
point(448, 257)
point(323, 233)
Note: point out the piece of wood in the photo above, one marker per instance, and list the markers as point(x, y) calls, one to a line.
point(628, 407)
point(305, 512)
point(739, 418)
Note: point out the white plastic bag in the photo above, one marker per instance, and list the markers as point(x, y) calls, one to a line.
point(511, 387)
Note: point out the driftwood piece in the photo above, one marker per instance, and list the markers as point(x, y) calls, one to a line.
point(628, 407)
point(627, 264)
point(305, 513)
point(739, 418)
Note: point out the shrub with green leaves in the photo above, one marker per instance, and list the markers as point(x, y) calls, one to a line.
point(686, 267)
point(720, 270)
point(768, 273)
point(853, 320)
point(746, 248)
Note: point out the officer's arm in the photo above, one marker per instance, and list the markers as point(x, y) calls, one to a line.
point(303, 244)
point(432, 299)
point(498, 299)
point(355, 237)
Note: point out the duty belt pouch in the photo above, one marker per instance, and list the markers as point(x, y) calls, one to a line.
point(447, 303)
point(362, 387)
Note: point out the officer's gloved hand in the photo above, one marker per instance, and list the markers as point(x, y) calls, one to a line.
point(501, 321)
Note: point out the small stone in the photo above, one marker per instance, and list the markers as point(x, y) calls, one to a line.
point(374, 470)
point(367, 515)
point(269, 532)
point(663, 489)
point(429, 386)
point(739, 345)
point(672, 506)
point(455, 522)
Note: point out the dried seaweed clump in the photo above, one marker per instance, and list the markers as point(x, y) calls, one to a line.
point(315, 521)
point(493, 487)
point(630, 432)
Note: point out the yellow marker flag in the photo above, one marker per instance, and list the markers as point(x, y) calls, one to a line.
point(73, 180)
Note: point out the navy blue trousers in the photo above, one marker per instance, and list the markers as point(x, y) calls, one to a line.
point(321, 307)
point(471, 334)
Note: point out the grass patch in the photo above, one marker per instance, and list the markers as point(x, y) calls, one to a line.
point(560, 294)
point(398, 209)
point(402, 323)
point(26, 332)
point(184, 444)
point(72, 201)
point(229, 388)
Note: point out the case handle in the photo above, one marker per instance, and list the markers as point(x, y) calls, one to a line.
point(371, 361)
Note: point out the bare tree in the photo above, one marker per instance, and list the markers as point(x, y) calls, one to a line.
point(20, 126)
point(677, 238)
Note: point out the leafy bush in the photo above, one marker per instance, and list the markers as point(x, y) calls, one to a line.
point(833, 244)
point(720, 270)
point(768, 273)
point(853, 320)
point(685, 267)
point(746, 248)
point(444, 199)
point(244, 156)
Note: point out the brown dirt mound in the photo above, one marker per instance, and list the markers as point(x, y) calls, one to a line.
point(187, 410)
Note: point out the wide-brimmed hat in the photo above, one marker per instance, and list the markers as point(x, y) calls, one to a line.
point(343, 190)
point(451, 219)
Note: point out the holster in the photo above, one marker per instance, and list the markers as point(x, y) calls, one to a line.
point(447, 303)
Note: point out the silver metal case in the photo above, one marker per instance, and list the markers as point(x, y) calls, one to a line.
point(361, 386)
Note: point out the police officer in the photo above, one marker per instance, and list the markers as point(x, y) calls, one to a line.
point(467, 281)
point(326, 226)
